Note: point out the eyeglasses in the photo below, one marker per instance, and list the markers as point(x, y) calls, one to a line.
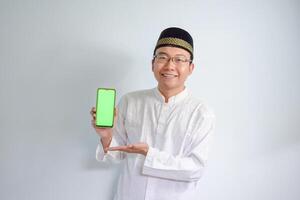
point(177, 60)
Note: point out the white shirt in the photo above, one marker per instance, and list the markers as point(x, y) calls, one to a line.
point(178, 135)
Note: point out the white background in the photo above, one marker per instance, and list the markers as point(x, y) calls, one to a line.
point(54, 54)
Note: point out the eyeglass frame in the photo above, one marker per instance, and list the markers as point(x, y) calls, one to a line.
point(172, 59)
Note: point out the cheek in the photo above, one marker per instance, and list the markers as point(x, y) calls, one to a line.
point(184, 73)
point(155, 72)
point(156, 69)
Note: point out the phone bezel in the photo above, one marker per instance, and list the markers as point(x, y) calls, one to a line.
point(115, 94)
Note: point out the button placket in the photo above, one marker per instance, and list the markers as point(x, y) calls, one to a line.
point(161, 124)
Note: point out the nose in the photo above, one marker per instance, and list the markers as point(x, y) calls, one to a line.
point(170, 64)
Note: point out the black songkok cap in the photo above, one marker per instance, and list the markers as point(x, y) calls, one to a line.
point(175, 37)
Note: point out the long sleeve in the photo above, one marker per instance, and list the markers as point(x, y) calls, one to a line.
point(189, 167)
point(111, 156)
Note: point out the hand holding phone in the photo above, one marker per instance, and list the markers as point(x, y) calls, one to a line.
point(105, 134)
point(104, 119)
point(102, 132)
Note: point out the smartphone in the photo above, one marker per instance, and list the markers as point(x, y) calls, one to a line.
point(105, 106)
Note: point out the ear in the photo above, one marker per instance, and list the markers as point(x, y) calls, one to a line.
point(191, 68)
point(152, 65)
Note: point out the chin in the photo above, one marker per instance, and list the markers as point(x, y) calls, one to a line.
point(169, 86)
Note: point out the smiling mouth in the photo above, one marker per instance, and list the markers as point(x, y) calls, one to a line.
point(166, 75)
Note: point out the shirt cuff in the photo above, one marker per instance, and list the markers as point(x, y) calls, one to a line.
point(100, 154)
point(151, 154)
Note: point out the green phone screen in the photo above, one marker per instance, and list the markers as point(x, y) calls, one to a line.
point(105, 107)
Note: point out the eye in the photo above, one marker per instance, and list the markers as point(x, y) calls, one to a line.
point(162, 57)
point(179, 59)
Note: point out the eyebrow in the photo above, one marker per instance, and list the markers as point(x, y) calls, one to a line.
point(160, 53)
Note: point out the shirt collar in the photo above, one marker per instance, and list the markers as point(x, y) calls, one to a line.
point(174, 99)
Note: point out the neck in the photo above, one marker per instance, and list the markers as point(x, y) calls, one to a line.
point(168, 93)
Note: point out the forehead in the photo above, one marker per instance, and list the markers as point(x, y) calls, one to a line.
point(172, 51)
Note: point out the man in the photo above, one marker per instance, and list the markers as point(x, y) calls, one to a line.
point(162, 133)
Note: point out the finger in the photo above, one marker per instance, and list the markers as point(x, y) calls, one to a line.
point(92, 112)
point(93, 123)
point(115, 112)
point(93, 115)
point(115, 115)
point(118, 148)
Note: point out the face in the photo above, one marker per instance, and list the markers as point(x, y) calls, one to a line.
point(171, 76)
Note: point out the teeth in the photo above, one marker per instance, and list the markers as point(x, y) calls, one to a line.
point(168, 75)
